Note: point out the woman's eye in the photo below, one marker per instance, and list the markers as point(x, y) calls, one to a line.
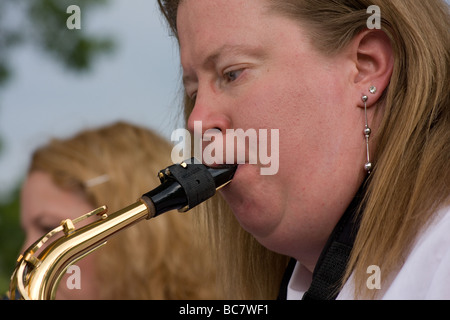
point(44, 229)
point(231, 76)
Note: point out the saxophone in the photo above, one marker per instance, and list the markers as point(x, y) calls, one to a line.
point(183, 186)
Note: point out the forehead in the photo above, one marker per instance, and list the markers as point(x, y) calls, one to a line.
point(225, 8)
point(205, 23)
point(41, 195)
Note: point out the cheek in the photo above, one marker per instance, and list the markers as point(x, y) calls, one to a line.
point(282, 98)
point(292, 107)
point(257, 208)
point(31, 237)
point(79, 281)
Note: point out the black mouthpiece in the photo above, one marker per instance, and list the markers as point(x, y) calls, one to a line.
point(184, 186)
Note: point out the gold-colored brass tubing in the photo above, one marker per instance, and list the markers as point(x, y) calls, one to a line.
point(64, 251)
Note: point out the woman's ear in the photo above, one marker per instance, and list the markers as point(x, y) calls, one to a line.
point(373, 56)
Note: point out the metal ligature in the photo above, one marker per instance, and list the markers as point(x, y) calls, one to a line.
point(183, 186)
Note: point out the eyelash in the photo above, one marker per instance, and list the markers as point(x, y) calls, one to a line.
point(226, 76)
point(46, 228)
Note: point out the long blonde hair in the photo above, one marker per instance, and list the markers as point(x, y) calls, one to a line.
point(156, 259)
point(411, 178)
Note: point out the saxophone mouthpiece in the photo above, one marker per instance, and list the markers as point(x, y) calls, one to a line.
point(222, 175)
point(185, 185)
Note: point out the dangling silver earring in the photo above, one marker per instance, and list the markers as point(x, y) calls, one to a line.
point(367, 132)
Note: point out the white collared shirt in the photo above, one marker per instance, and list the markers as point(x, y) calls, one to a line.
point(424, 275)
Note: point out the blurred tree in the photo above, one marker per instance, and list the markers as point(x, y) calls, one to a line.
point(73, 48)
point(11, 237)
point(41, 23)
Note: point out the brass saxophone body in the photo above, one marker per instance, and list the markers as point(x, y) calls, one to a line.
point(183, 186)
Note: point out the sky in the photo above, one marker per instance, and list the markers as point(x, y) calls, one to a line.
point(139, 83)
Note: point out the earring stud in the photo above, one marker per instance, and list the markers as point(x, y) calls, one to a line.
point(373, 89)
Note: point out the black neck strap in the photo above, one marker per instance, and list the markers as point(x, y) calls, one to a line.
point(330, 267)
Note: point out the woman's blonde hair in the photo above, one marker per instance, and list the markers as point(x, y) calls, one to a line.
point(411, 178)
point(156, 259)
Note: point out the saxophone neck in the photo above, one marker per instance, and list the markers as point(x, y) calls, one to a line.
point(38, 272)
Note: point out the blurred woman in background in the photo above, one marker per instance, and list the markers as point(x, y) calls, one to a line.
point(114, 165)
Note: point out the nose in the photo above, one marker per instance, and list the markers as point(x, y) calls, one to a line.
point(211, 113)
point(209, 120)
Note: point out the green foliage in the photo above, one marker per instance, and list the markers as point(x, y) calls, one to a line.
point(11, 238)
point(43, 24)
point(73, 48)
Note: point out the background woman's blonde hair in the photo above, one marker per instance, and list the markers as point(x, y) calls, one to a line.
point(156, 259)
point(411, 178)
